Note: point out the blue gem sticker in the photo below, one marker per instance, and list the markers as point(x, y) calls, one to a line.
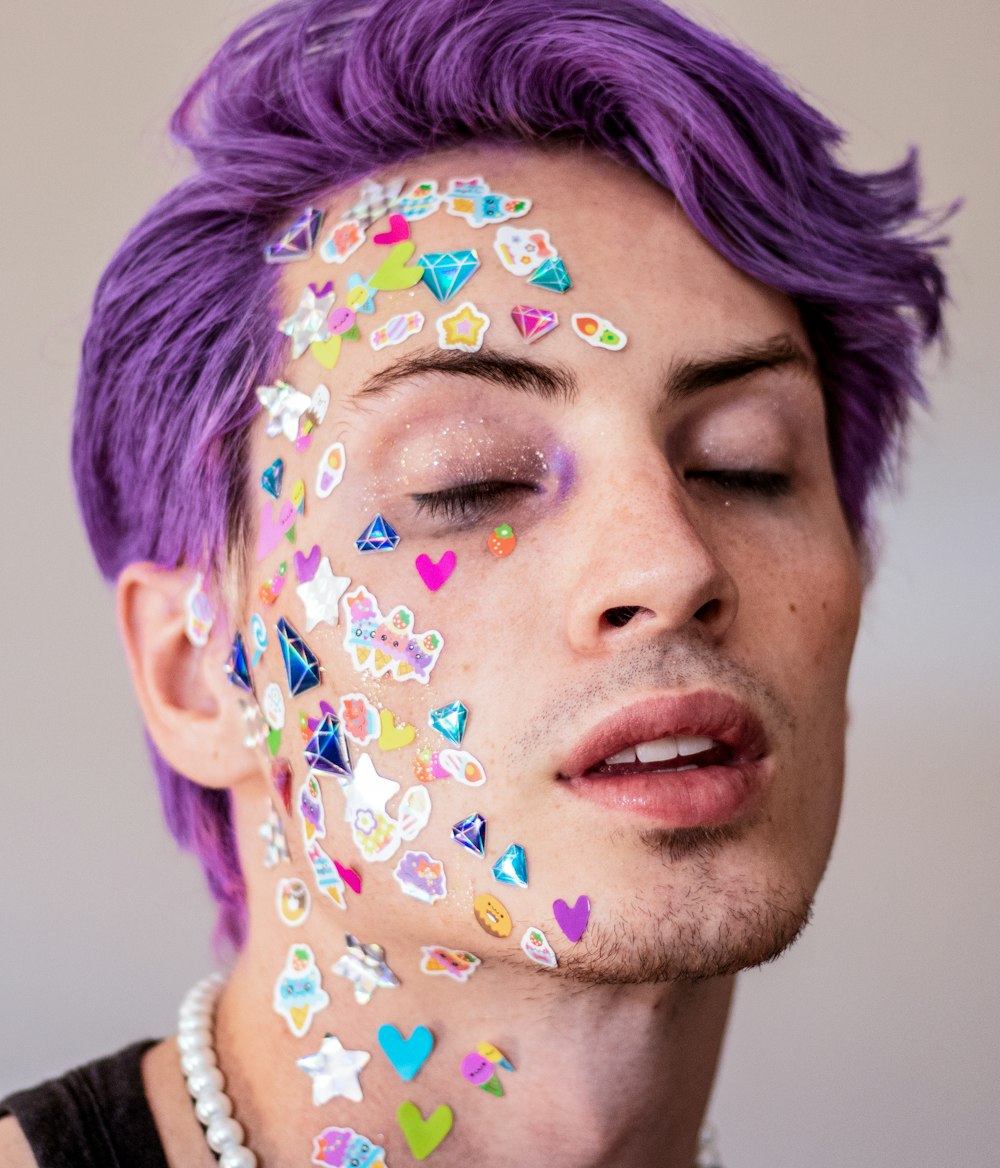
point(450, 721)
point(445, 272)
point(471, 833)
point(301, 664)
point(512, 867)
point(325, 751)
point(237, 667)
point(378, 536)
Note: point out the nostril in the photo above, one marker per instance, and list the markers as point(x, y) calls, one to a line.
point(708, 612)
point(621, 615)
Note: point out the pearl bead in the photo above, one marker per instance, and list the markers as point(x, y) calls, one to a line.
point(237, 1158)
point(194, 1040)
point(208, 1079)
point(224, 1133)
point(212, 1105)
point(198, 1060)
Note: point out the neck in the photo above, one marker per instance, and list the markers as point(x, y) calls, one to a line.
point(605, 1075)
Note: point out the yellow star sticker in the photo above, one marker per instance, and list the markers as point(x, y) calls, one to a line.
point(463, 329)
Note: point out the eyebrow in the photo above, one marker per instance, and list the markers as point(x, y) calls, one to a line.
point(683, 378)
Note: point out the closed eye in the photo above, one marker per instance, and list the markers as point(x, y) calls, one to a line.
point(466, 503)
point(766, 483)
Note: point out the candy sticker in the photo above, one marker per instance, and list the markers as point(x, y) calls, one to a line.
point(572, 919)
point(597, 331)
point(492, 915)
point(360, 720)
point(464, 330)
point(424, 1135)
point(298, 992)
point(454, 963)
point(340, 1147)
point(522, 251)
point(536, 946)
point(198, 615)
point(342, 242)
point(420, 201)
point(326, 874)
point(365, 968)
point(311, 807)
point(308, 323)
point(321, 595)
point(375, 832)
point(382, 645)
point(396, 330)
point(472, 200)
point(331, 469)
point(422, 877)
point(334, 1071)
point(407, 1055)
point(293, 901)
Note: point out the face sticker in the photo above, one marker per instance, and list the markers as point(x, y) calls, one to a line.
point(597, 331)
point(392, 734)
point(472, 200)
point(342, 242)
point(301, 665)
point(334, 1071)
point(281, 780)
point(453, 963)
point(359, 719)
point(407, 1055)
point(398, 231)
point(421, 200)
point(533, 323)
point(447, 272)
point(272, 832)
point(396, 330)
point(450, 721)
point(298, 241)
point(307, 324)
point(293, 902)
point(434, 574)
point(274, 706)
point(382, 645)
point(501, 541)
point(464, 329)
point(365, 968)
point(325, 751)
point(375, 200)
point(551, 274)
point(522, 251)
point(479, 1067)
point(537, 947)
point(492, 915)
point(396, 273)
point(326, 873)
point(378, 536)
point(285, 407)
point(311, 808)
point(471, 833)
point(298, 992)
point(331, 470)
point(321, 595)
point(198, 615)
point(572, 919)
point(424, 1135)
point(422, 877)
point(342, 1147)
point(299, 496)
point(374, 831)
point(512, 867)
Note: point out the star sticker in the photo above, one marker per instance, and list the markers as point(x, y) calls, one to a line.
point(272, 832)
point(365, 968)
point(334, 1071)
point(285, 406)
point(308, 322)
point(367, 789)
point(321, 595)
point(464, 329)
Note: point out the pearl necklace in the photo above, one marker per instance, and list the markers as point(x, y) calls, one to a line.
point(212, 1105)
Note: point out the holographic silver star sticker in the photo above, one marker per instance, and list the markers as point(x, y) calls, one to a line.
point(321, 595)
point(272, 832)
point(334, 1071)
point(308, 322)
point(286, 406)
point(365, 968)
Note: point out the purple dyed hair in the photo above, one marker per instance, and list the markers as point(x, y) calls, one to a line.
point(315, 94)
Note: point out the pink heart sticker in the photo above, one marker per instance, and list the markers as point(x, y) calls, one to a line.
point(399, 230)
point(572, 921)
point(306, 567)
point(271, 530)
point(434, 575)
point(349, 876)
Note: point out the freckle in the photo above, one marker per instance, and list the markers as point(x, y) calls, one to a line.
point(792, 608)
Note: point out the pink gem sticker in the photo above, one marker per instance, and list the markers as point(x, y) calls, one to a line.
point(533, 323)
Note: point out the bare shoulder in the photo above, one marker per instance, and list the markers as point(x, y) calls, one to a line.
point(14, 1150)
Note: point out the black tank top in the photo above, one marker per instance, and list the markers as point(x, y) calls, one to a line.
point(94, 1117)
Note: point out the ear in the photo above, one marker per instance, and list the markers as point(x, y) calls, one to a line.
point(191, 709)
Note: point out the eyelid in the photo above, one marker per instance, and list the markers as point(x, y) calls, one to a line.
point(745, 480)
point(464, 504)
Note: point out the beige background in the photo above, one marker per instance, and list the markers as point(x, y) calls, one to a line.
point(875, 1042)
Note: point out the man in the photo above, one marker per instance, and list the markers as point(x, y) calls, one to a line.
point(502, 411)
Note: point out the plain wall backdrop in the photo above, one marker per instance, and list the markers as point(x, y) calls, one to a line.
point(875, 1041)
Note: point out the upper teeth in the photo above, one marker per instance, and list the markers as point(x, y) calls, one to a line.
point(661, 749)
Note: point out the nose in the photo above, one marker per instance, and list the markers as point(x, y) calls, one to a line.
point(645, 565)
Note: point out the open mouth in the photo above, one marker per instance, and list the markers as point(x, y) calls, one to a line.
point(680, 753)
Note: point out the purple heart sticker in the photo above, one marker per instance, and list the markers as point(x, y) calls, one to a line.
point(306, 567)
point(572, 921)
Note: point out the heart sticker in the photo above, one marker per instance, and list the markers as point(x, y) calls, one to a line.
point(272, 529)
point(307, 566)
point(424, 1135)
point(399, 230)
point(434, 575)
point(393, 275)
point(572, 921)
point(349, 876)
point(394, 735)
point(407, 1055)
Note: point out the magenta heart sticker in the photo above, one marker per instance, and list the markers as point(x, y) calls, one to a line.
point(399, 230)
point(434, 575)
point(306, 567)
point(349, 876)
point(572, 921)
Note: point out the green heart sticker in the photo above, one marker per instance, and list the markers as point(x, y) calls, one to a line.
point(424, 1135)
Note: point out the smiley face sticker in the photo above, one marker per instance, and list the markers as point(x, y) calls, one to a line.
point(492, 915)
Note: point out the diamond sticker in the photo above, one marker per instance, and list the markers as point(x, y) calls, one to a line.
point(512, 867)
point(325, 751)
point(551, 274)
point(471, 833)
point(378, 536)
point(301, 665)
point(297, 242)
point(450, 721)
point(445, 272)
point(533, 323)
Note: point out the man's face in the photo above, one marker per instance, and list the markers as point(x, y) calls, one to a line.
point(682, 571)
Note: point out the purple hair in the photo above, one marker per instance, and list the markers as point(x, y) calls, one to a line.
point(313, 95)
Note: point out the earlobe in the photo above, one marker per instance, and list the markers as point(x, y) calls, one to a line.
point(190, 708)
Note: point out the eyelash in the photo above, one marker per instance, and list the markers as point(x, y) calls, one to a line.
point(764, 483)
point(468, 502)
